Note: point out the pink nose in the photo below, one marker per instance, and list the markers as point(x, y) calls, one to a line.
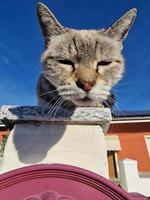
point(86, 85)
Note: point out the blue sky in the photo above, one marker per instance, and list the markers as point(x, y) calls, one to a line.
point(21, 45)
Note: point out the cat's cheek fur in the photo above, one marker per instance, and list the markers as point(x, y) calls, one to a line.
point(114, 74)
point(52, 80)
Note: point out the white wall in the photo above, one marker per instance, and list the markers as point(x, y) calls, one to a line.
point(130, 180)
point(77, 145)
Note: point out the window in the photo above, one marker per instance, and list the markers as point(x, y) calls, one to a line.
point(147, 140)
point(113, 146)
point(112, 164)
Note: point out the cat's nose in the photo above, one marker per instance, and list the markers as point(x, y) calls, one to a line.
point(86, 85)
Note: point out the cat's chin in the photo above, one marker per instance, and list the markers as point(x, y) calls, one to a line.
point(86, 103)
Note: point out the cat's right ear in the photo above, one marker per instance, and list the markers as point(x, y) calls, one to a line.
point(49, 24)
point(120, 29)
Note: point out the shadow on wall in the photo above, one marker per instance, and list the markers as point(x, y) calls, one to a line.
point(32, 142)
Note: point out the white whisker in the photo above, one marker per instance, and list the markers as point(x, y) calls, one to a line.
point(48, 92)
point(58, 106)
point(49, 112)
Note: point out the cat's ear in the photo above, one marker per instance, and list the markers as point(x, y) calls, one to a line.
point(120, 29)
point(49, 24)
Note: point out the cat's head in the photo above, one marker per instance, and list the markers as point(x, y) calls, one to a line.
point(83, 65)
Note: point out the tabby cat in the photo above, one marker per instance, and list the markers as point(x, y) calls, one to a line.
point(80, 67)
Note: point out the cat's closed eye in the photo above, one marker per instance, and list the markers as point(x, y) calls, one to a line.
point(66, 62)
point(104, 62)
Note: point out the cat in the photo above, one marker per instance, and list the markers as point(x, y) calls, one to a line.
point(80, 67)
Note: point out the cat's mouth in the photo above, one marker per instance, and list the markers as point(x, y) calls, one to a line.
point(86, 98)
point(82, 98)
point(85, 102)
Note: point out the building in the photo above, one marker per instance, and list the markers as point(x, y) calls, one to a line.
point(133, 132)
point(128, 139)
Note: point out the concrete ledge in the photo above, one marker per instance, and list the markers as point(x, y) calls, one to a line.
point(80, 115)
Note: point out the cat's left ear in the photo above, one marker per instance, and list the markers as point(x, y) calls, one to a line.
point(49, 24)
point(120, 29)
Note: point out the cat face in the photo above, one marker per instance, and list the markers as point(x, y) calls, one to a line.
point(83, 65)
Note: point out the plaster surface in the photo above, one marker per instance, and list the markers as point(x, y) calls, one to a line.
point(74, 138)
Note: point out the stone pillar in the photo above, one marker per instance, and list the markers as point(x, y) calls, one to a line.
point(72, 137)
